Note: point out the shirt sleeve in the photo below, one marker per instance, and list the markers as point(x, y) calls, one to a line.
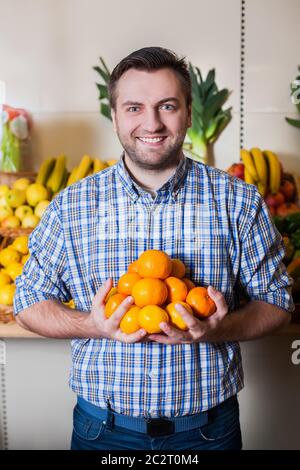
point(263, 275)
point(45, 274)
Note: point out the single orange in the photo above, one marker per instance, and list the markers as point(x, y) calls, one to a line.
point(113, 302)
point(178, 268)
point(155, 264)
point(201, 303)
point(189, 284)
point(130, 322)
point(151, 316)
point(126, 282)
point(132, 268)
point(113, 291)
point(175, 317)
point(149, 291)
point(177, 289)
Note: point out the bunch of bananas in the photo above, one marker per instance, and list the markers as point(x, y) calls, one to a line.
point(54, 175)
point(263, 169)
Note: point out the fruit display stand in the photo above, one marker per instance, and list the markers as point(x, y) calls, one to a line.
point(10, 177)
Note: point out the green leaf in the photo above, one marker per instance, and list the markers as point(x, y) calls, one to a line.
point(103, 91)
point(102, 73)
point(105, 66)
point(214, 104)
point(210, 80)
point(105, 110)
point(293, 122)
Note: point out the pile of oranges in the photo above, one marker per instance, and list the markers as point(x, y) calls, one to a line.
point(157, 283)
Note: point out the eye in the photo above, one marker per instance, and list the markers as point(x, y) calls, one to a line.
point(133, 109)
point(168, 107)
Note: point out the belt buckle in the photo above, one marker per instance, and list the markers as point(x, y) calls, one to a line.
point(160, 427)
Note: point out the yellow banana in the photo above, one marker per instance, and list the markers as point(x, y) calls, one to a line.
point(248, 178)
point(71, 178)
point(56, 177)
point(274, 170)
point(111, 162)
point(63, 182)
point(98, 165)
point(249, 164)
point(262, 188)
point(83, 167)
point(260, 165)
point(45, 170)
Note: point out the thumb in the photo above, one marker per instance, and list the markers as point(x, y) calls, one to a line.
point(102, 292)
point(219, 300)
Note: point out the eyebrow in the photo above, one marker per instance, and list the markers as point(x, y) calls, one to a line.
point(164, 100)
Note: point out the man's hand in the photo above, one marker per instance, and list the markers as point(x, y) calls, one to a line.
point(110, 327)
point(198, 330)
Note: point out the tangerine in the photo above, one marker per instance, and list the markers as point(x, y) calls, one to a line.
point(175, 317)
point(113, 303)
point(178, 268)
point(113, 291)
point(201, 303)
point(130, 322)
point(189, 284)
point(149, 291)
point(155, 264)
point(177, 289)
point(132, 268)
point(151, 316)
point(127, 281)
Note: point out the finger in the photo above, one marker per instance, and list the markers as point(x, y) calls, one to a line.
point(163, 339)
point(102, 293)
point(191, 321)
point(171, 331)
point(219, 299)
point(131, 338)
point(116, 317)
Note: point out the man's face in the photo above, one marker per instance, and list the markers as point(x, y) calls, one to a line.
point(151, 117)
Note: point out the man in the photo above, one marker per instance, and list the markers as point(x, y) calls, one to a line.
point(176, 390)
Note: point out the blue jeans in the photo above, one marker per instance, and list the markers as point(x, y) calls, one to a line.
point(221, 433)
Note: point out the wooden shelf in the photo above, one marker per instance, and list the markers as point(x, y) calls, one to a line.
point(13, 330)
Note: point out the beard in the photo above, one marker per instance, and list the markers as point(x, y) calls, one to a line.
point(152, 158)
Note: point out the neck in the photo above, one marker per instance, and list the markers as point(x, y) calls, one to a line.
point(151, 179)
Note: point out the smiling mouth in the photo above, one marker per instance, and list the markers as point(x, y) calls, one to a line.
point(152, 140)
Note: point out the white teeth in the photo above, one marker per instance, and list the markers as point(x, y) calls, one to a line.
point(147, 139)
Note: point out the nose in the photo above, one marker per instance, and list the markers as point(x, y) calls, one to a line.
point(152, 122)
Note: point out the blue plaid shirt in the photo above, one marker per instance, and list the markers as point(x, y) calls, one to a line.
point(216, 224)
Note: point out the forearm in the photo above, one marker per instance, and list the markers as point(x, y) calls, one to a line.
point(52, 319)
point(255, 320)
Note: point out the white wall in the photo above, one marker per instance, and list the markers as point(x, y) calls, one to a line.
point(47, 50)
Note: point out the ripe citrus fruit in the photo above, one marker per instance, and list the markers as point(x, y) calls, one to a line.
point(189, 284)
point(126, 282)
point(4, 279)
point(21, 244)
point(175, 317)
point(14, 270)
point(113, 303)
point(178, 268)
point(151, 316)
point(177, 289)
point(130, 322)
point(7, 293)
point(200, 302)
point(154, 263)
point(113, 291)
point(9, 255)
point(132, 268)
point(149, 291)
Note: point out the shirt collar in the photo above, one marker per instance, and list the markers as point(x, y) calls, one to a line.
point(172, 186)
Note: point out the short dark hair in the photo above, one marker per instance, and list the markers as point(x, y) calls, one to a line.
point(151, 58)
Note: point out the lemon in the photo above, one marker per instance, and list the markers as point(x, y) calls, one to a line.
point(21, 183)
point(4, 279)
point(25, 258)
point(14, 270)
point(35, 193)
point(7, 293)
point(21, 244)
point(9, 255)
